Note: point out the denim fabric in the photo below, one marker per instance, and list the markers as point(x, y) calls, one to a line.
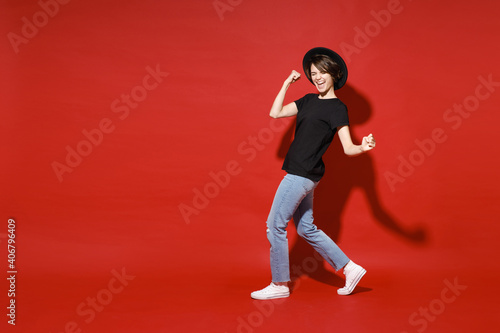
point(294, 198)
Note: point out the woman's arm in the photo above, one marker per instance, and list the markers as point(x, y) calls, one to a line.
point(350, 148)
point(278, 110)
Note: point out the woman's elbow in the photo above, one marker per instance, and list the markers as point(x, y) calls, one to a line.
point(351, 150)
point(347, 149)
point(275, 114)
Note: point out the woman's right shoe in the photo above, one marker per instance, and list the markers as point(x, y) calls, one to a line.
point(271, 291)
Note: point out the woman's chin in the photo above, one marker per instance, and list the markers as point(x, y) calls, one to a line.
point(324, 90)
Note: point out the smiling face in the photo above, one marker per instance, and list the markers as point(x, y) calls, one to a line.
point(322, 80)
point(323, 72)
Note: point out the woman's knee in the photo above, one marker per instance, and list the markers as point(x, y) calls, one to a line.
point(276, 228)
point(306, 231)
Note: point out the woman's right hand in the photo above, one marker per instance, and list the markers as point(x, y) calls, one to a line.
point(294, 76)
point(278, 110)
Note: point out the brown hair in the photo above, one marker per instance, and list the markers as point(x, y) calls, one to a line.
point(324, 64)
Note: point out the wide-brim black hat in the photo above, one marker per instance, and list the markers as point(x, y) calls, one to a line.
point(335, 57)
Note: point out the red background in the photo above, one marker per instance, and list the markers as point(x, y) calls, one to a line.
point(121, 206)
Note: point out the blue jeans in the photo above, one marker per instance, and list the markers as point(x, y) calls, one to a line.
point(294, 198)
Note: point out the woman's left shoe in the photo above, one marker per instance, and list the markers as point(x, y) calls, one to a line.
point(353, 273)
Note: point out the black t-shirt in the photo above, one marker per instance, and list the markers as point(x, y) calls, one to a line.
point(317, 122)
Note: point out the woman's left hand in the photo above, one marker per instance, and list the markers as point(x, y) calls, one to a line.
point(368, 142)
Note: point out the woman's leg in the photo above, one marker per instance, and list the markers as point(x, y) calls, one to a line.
point(294, 199)
point(292, 190)
point(290, 193)
point(324, 245)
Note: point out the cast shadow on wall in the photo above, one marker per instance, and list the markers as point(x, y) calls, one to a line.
point(343, 174)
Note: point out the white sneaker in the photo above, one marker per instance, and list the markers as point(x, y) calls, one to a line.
point(271, 291)
point(353, 273)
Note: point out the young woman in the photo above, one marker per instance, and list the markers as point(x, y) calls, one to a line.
point(319, 117)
